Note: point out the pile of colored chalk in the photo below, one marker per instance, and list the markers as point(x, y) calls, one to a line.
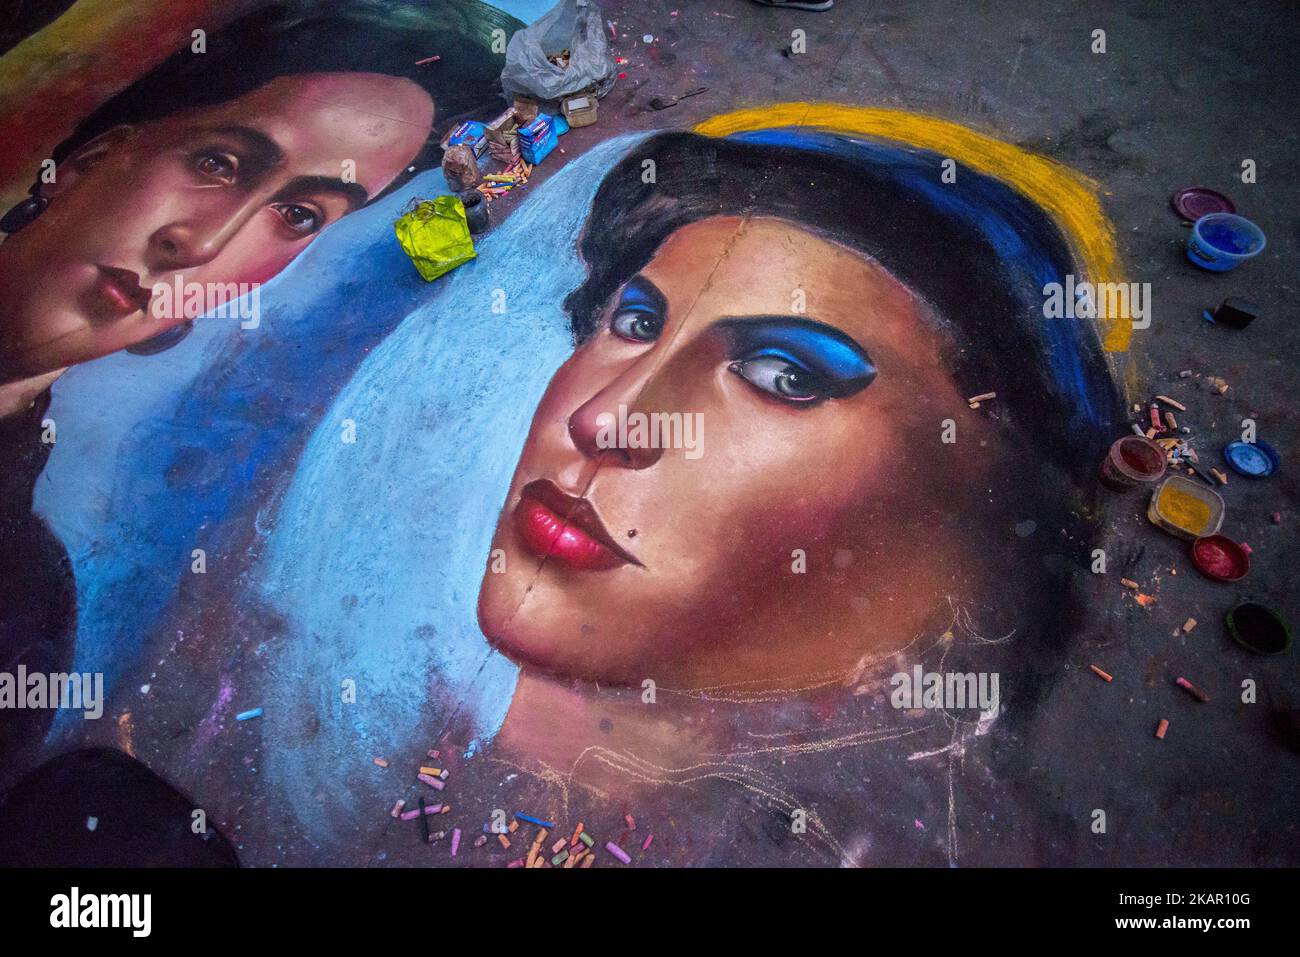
point(498, 184)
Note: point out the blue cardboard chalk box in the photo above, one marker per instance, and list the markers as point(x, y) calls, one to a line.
point(537, 138)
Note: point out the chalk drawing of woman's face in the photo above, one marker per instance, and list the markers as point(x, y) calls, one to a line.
point(806, 511)
point(217, 197)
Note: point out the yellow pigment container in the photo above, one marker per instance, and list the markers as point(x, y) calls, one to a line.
point(1186, 508)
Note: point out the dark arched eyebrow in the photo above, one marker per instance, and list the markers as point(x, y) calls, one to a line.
point(353, 193)
point(262, 153)
point(259, 149)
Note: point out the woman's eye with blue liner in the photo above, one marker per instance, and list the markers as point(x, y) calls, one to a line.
point(780, 377)
point(636, 324)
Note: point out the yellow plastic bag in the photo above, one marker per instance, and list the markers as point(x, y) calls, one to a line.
point(435, 236)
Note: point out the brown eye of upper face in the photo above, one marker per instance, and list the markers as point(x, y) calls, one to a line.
point(300, 219)
point(217, 165)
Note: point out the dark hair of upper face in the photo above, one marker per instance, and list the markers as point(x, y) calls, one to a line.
point(297, 36)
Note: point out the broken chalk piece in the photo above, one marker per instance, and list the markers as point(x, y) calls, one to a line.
point(504, 841)
point(646, 845)
point(381, 762)
point(1189, 624)
point(434, 783)
point(455, 841)
point(1170, 402)
point(245, 715)
point(586, 839)
point(397, 808)
point(1192, 690)
point(631, 822)
point(532, 820)
point(559, 858)
point(618, 852)
point(1161, 728)
point(1101, 674)
point(1129, 583)
point(983, 397)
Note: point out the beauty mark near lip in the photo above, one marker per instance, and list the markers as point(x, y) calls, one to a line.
point(555, 524)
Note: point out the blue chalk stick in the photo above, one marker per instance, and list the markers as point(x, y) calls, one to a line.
point(533, 820)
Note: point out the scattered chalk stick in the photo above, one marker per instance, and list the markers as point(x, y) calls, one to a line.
point(1101, 674)
point(1161, 728)
point(455, 841)
point(646, 845)
point(533, 820)
point(1192, 690)
point(245, 715)
point(618, 852)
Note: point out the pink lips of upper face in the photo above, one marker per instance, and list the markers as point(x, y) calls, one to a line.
point(117, 294)
point(566, 528)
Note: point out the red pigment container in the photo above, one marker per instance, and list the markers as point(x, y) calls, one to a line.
point(1132, 462)
point(1220, 558)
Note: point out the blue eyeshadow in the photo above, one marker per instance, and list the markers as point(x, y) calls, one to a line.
point(821, 349)
point(641, 294)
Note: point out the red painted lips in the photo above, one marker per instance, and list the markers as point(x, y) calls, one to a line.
point(564, 527)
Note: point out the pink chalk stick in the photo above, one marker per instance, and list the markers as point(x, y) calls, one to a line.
point(646, 845)
point(455, 841)
point(431, 781)
point(618, 852)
